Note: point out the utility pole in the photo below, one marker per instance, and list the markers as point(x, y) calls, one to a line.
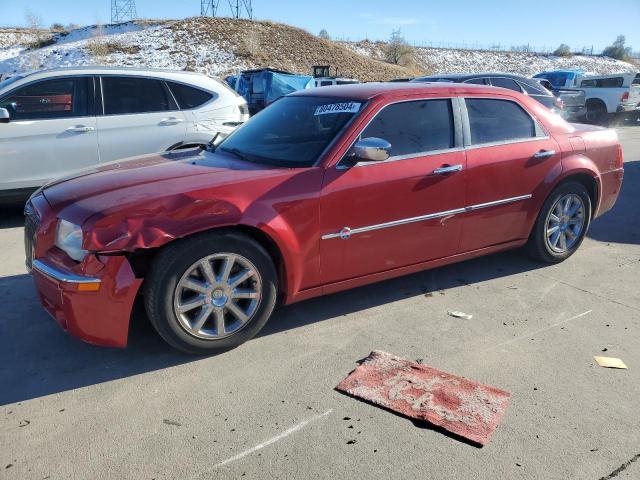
point(123, 10)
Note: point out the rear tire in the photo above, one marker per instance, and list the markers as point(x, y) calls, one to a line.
point(210, 292)
point(597, 113)
point(562, 223)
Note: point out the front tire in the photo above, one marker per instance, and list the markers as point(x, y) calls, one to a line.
point(562, 223)
point(211, 292)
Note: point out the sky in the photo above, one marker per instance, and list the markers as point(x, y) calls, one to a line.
point(470, 22)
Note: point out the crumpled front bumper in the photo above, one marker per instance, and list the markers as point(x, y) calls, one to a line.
point(96, 308)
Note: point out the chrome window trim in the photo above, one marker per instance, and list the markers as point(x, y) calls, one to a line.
point(541, 133)
point(456, 118)
point(60, 275)
point(430, 216)
point(507, 142)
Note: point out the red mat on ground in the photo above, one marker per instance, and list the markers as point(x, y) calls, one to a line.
point(464, 407)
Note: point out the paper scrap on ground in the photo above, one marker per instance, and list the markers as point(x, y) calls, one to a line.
point(610, 362)
point(461, 406)
point(457, 314)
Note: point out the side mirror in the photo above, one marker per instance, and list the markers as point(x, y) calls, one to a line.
point(4, 115)
point(372, 149)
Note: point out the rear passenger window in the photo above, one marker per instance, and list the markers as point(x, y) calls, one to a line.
point(505, 83)
point(124, 95)
point(477, 81)
point(531, 90)
point(414, 127)
point(49, 99)
point(498, 121)
point(189, 97)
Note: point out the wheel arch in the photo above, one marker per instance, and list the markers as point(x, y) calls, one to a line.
point(142, 258)
point(590, 182)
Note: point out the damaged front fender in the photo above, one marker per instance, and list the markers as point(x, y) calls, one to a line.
point(156, 224)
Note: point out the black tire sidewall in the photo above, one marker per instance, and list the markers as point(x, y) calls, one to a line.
point(537, 242)
point(171, 264)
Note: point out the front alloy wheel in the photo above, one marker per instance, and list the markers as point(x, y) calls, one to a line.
point(217, 295)
point(210, 292)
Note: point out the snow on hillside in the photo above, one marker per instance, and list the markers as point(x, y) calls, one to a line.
point(219, 46)
point(439, 60)
point(156, 45)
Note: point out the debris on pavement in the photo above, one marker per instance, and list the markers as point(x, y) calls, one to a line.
point(457, 314)
point(463, 407)
point(610, 362)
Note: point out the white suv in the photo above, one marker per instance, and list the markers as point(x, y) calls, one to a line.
point(53, 122)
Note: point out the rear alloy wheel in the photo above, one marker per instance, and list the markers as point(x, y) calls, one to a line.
point(561, 224)
point(565, 222)
point(211, 292)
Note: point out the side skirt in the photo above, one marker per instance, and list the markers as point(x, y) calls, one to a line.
point(398, 272)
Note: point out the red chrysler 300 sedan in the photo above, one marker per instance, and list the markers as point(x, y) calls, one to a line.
point(325, 190)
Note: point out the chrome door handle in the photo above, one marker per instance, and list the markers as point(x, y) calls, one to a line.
point(544, 154)
point(447, 169)
point(80, 129)
point(171, 121)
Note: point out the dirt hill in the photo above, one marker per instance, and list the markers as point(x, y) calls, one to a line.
point(217, 46)
point(220, 46)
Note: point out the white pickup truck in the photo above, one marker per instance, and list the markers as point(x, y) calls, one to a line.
point(606, 95)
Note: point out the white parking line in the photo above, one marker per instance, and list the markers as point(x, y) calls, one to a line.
point(521, 337)
point(266, 443)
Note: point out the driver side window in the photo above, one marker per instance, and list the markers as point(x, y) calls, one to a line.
point(49, 99)
point(414, 127)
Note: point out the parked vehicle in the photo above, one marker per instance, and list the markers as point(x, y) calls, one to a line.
point(606, 95)
point(328, 81)
point(324, 190)
point(263, 86)
point(323, 78)
point(573, 100)
point(56, 121)
point(504, 80)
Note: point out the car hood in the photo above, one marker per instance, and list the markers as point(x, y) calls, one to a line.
point(144, 185)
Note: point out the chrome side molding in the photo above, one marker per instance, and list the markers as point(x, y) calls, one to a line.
point(345, 233)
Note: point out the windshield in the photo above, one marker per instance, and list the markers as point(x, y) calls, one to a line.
point(557, 79)
point(9, 81)
point(291, 132)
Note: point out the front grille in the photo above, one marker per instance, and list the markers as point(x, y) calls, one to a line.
point(31, 222)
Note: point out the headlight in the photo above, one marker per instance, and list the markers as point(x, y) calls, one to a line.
point(69, 239)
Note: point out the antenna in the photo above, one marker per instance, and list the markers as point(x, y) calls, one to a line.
point(123, 10)
point(209, 8)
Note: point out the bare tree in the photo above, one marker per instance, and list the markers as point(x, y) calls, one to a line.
point(618, 49)
point(562, 51)
point(324, 35)
point(398, 51)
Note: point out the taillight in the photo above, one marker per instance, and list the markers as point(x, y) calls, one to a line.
point(559, 103)
point(620, 159)
point(624, 97)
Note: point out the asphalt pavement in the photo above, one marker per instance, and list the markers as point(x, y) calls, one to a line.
point(268, 409)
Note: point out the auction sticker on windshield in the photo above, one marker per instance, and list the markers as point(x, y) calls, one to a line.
point(343, 107)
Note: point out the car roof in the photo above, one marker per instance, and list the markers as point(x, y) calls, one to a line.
point(93, 69)
point(366, 91)
point(465, 76)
